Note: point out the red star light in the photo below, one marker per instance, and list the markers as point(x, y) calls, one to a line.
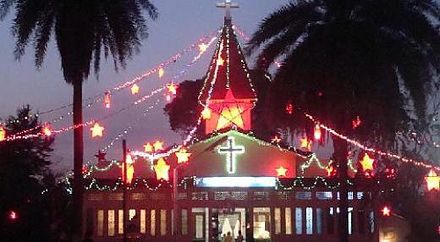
point(100, 155)
point(281, 171)
point(135, 89)
point(182, 156)
point(97, 130)
point(432, 181)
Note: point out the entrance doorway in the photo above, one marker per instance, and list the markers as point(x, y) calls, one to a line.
point(230, 220)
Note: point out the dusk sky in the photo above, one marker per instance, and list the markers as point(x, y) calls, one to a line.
point(179, 25)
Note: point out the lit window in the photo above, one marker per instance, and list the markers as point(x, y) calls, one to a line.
point(371, 221)
point(324, 195)
point(350, 220)
point(143, 221)
point(199, 226)
point(163, 222)
point(319, 218)
point(153, 222)
point(277, 220)
point(309, 220)
point(350, 195)
point(184, 221)
point(303, 195)
point(360, 195)
point(111, 222)
point(262, 223)
point(100, 226)
point(131, 214)
point(120, 221)
point(298, 220)
point(330, 221)
point(288, 217)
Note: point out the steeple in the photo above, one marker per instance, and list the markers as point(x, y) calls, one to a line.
point(228, 93)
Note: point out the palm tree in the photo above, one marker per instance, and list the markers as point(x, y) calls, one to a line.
point(84, 31)
point(347, 58)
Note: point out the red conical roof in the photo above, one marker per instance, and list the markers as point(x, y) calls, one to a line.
point(228, 70)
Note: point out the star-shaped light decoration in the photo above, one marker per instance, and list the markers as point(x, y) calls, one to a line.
point(47, 130)
point(331, 171)
point(2, 133)
point(161, 72)
point(135, 89)
point(386, 211)
point(172, 88)
point(161, 169)
point(432, 181)
point(182, 156)
point(206, 113)
point(148, 148)
point(276, 139)
point(203, 47)
point(281, 171)
point(220, 61)
point(100, 156)
point(158, 145)
point(305, 143)
point(367, 163)
point(97, 130)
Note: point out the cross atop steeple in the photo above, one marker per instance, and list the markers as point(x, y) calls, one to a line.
point(227, 5)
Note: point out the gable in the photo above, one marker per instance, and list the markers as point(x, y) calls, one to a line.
point(236, 154)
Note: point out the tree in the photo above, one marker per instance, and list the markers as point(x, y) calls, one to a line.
point(347, 59)
point(184, 109)
point(23, 165)
point(82, 30)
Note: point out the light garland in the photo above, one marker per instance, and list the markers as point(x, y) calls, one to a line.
point(369, 149)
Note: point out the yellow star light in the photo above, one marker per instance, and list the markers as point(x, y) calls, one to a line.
point(281, 171)
point(182, 156)
point(367, 163)
point(172, 88)
point(161, 169)
point(135, 89)
point(386, 211)
point(158, 145)
point(148, 148)
point(96, 130)
point(203, 47)
point(305, 143)
point(433, 181)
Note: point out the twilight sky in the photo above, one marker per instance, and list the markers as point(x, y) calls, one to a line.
point(179, 25)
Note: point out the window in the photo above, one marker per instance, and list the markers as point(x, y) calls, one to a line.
point(371, 221)
point(350, 195)
point(350, 220)
point(330, 221)
point(163, 222)
point(319, 218)
point(309, 220)
point(199, 226)
point(143, 221)
point(277, 220)
point(298, 220)
point(288, 218)
point(131, 214)
point(111, 222)
point(324, 195)
point(153, 222)
point(262, 223)
point(303, 195)
point(360, 195)
point(100, 219)
point(184, 221)
point(120, 221)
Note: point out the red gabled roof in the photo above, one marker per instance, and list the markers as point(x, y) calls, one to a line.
point(233, 74)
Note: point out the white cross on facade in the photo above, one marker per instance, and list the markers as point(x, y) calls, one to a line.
point(231, 151)
point(227, 5)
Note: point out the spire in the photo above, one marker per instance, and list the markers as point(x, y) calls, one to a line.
point(228, 70)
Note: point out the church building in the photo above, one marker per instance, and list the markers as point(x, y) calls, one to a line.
point(231, 182)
